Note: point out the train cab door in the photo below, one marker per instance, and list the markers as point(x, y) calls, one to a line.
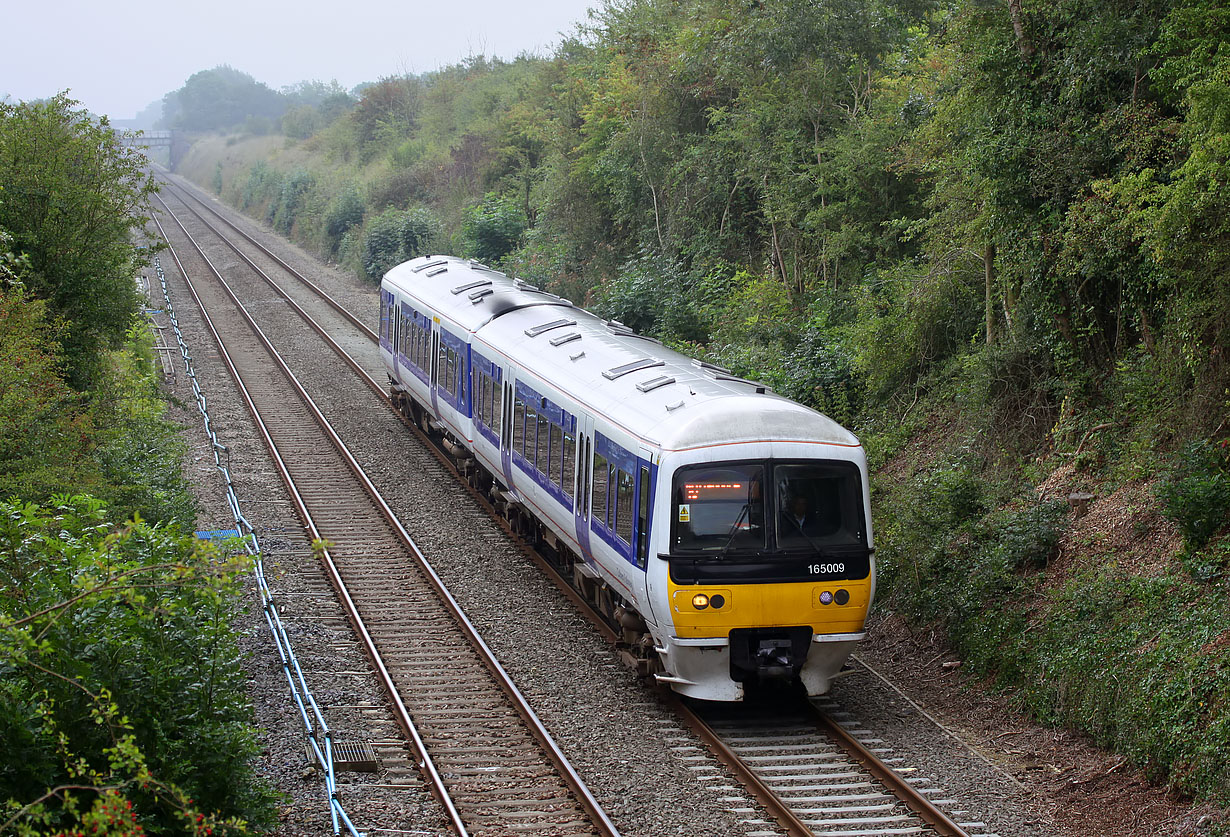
point(584, 482)
point(643, 503)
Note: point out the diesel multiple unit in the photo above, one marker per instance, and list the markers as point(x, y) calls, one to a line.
point(724, 529)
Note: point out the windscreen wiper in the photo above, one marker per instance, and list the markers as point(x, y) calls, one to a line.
point(734, 530)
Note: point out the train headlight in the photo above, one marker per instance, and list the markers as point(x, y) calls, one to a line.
point(842, 597)
point(700, 601)
point(826, 598)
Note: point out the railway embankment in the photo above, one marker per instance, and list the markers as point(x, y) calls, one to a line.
point(1056, 563)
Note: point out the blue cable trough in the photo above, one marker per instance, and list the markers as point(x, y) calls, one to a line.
point(216, 534)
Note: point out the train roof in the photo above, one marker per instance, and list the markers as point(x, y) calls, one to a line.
point(654, 392)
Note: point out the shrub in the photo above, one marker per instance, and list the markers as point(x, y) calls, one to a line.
point(396, 236)
point(493, 228)
point(262, 184)
point(291, 196)
point(120, 670)
point(1196, 494)
point(344, 211)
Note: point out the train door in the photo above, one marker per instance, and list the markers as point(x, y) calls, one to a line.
point(506, 425)
point(643, 504)
point(395, 316)
point(435, 366)
point(584, 482)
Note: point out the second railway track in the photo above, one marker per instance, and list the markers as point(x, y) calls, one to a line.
point(809, 775)
point(491, 762)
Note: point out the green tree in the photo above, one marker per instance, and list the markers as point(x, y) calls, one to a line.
point(221, 98)
point(74, 202)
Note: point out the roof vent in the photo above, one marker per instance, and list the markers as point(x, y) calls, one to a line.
point(654, 383)
point(565, 338)
point(539, 329)
point(634, 366)
point(735, 379)
point(423, 267)
point(438, 270)
point(478, 296)
point(710, 367)
point(523, 285)
point(469, 286)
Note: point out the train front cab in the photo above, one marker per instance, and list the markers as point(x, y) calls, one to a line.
point(768, 568)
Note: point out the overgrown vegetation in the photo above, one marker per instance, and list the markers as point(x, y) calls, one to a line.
point(122, 706)
point(992, 237)
point(122, 690)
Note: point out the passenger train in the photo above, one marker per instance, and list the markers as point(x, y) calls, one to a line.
point(724, 529)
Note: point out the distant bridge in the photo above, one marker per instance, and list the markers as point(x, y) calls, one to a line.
point(175, 141)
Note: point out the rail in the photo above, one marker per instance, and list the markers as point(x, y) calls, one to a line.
point(533, 724)
point(918, 804)
point(319, 736)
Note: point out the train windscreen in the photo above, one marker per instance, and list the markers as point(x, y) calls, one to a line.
point(719, 508)
point(727, 509)
point(818, 505)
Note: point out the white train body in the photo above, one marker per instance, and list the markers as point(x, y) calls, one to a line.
point(633, 460)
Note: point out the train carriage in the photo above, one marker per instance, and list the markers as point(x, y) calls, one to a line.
point(724, 528)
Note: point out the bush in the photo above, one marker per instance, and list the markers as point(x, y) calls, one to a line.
point(291, 197)
point(263, 184)
point(120, 670)
point(344, 211)
point(651, 296)
point(396, 236)
point(1196, 494)
point(492, 229)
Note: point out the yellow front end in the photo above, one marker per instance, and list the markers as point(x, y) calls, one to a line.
point(769, 606)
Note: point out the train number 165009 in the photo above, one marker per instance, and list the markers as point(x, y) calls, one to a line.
point(825, 569)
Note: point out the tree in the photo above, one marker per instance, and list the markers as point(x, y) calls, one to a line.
point(221, 98)
point(74, 202)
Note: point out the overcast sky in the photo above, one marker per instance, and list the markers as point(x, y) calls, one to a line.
point(118, 57)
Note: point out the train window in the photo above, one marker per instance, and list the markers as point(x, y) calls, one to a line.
point(570, 464)
point(642, 519)
point(450, 373)
point(818, 504)
point(600, 484)
point(518, 439)
point(718, 507)
point(531, 434)
point(544, 437)
point(623, 505)
point(555, 451)
point(496, 391)
point(441, 359)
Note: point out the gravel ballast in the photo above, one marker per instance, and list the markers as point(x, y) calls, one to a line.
point(612, 727)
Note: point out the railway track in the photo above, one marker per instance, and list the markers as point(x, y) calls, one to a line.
point(491, 763)
point(811, 775)
point(832, 778)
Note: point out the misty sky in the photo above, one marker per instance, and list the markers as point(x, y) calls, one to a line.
point(118, 57)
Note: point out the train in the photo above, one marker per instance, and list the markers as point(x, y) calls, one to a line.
point(724, 530)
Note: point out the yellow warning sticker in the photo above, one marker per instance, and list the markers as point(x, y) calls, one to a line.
point(685, 513)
